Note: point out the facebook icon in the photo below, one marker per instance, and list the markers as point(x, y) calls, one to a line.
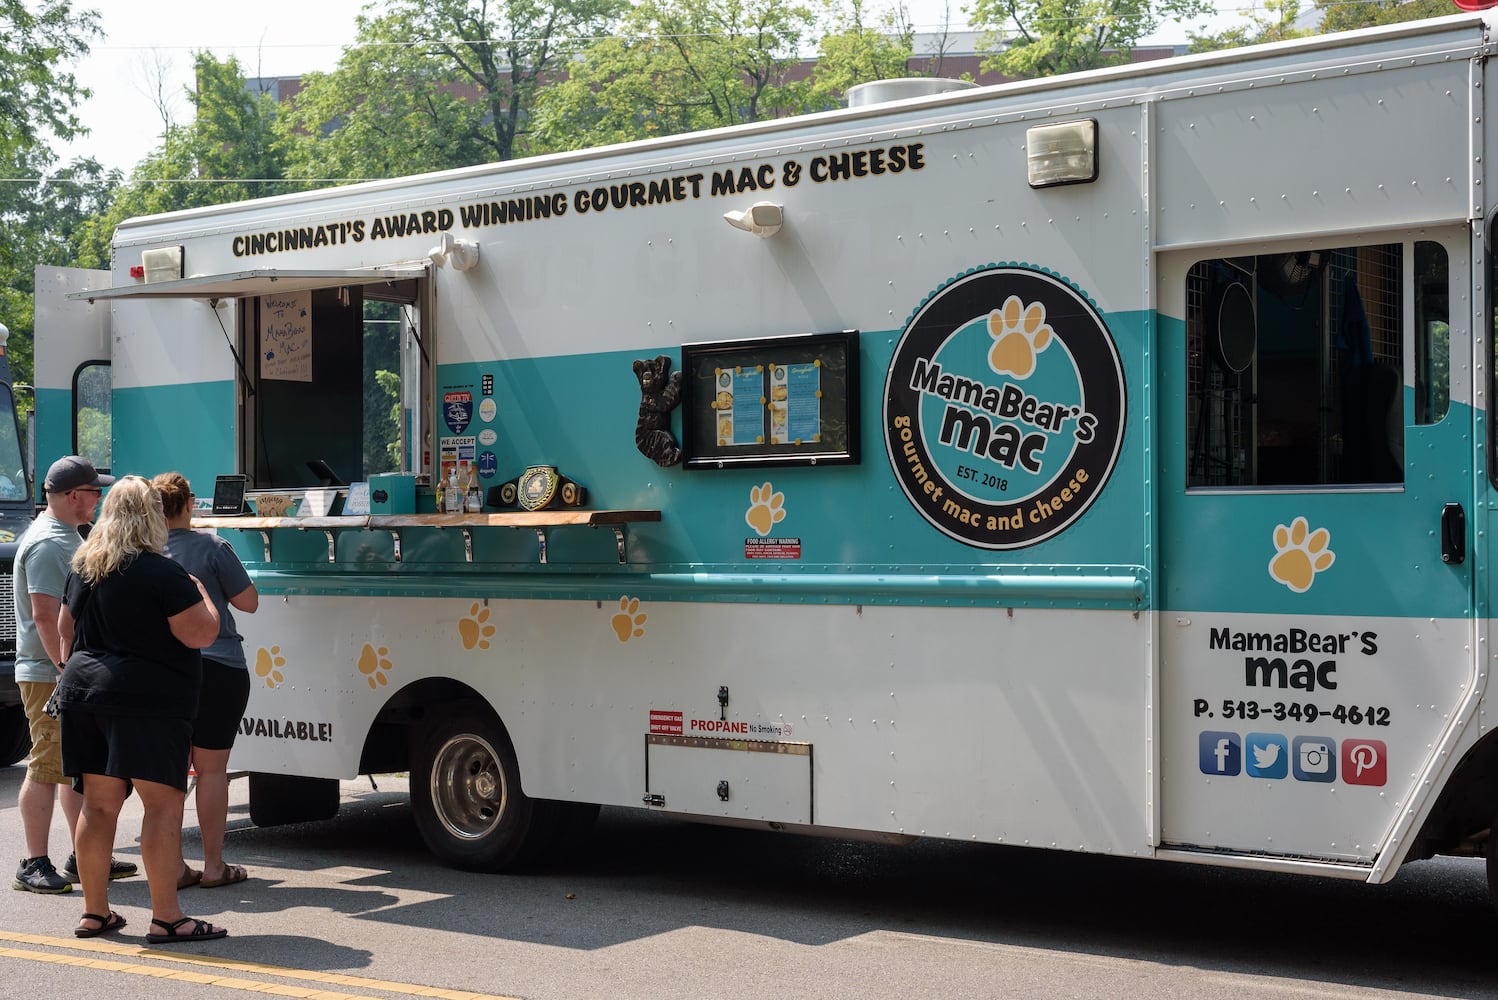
point(1219, 753)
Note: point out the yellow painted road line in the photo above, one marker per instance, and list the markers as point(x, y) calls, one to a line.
point(178, 975)
point(104, 947)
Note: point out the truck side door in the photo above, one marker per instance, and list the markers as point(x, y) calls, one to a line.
point(1316, 627)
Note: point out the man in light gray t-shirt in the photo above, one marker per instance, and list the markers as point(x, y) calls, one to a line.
point(43, 558)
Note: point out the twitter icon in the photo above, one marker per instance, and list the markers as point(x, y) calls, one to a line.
point(1266, 755)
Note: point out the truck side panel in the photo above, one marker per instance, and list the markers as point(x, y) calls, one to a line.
point(1156, 543)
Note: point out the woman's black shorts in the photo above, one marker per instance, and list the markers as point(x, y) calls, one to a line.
point(221, 703)
point(132, 747)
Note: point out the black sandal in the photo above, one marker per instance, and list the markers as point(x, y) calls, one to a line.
point(111, 921)
point(202, 930)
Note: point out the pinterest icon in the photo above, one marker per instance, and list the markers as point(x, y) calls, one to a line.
point(1365, 762)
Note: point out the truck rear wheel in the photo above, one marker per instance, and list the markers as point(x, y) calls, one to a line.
point(15, 735)
point(465, 791)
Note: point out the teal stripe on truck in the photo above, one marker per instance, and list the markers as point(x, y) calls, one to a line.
point(1098, 588)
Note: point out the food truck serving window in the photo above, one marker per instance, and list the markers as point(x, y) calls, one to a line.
point(332, 363)
point(337, 375)
point(1296, 364)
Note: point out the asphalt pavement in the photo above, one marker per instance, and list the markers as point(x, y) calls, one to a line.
point(652, 907)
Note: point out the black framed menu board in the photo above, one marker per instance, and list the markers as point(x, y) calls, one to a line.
point(774, 401)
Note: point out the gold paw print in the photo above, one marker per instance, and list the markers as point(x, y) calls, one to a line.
point(629, 623)
point(766, 508)
point(374, 665)
point(1019, 333)
point(268, 664)
point(475, 630)
point(1300, 554)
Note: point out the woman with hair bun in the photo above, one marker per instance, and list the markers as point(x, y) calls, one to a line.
point(226, 674)
point(131, 624)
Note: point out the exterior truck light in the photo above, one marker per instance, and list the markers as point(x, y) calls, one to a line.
point(1064, 153)
point(463, 255)
point(164, 264)
point(763, 219)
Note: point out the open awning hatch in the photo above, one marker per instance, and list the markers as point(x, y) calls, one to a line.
point(240, 284)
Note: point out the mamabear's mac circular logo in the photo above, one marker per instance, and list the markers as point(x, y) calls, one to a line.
point(1004, 407)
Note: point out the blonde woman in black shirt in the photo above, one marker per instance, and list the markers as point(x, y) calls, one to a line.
point(131, 625)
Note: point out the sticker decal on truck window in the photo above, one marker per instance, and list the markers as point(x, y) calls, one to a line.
point(1004, 409)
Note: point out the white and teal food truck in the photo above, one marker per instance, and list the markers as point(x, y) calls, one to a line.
point(1098, 463)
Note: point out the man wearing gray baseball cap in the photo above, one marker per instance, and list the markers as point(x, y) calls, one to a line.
point(43, 557)
point(72, 472)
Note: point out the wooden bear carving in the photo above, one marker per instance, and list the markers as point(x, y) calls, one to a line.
point(660, 392)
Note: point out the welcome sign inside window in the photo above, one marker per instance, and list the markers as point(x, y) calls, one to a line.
point(286, 336)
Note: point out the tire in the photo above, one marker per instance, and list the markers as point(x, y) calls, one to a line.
point(1491, 851)
point(15, 735)
point(466, 796)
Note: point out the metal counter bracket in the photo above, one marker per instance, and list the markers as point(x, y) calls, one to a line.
point(262, 525)
point(467, 541)
point(327, 533)
point(618, 540)
point(538, 521)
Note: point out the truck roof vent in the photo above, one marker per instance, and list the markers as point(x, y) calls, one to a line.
point(882, 91)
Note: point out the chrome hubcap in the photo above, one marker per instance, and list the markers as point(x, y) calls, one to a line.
point(468, 787)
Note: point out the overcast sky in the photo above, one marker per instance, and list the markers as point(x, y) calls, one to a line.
point(147, 43)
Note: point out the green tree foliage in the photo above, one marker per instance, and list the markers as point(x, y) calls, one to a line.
point(432, 84)
point(388, 384)
point(37, 100)
point(228, 153)
point(382, 410)
point(419, 118)
point(861, 46)
point(93, 437)
point(1276, 24)
point(42, 217)
point(1063, 36)
point(679, 66)
point(233, 138)
point(37, 95)
point(1366, 13)
point(161, 182)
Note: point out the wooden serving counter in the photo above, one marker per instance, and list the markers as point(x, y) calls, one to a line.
point(539, 521)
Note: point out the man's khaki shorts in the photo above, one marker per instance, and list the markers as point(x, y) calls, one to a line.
point(45, 766)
